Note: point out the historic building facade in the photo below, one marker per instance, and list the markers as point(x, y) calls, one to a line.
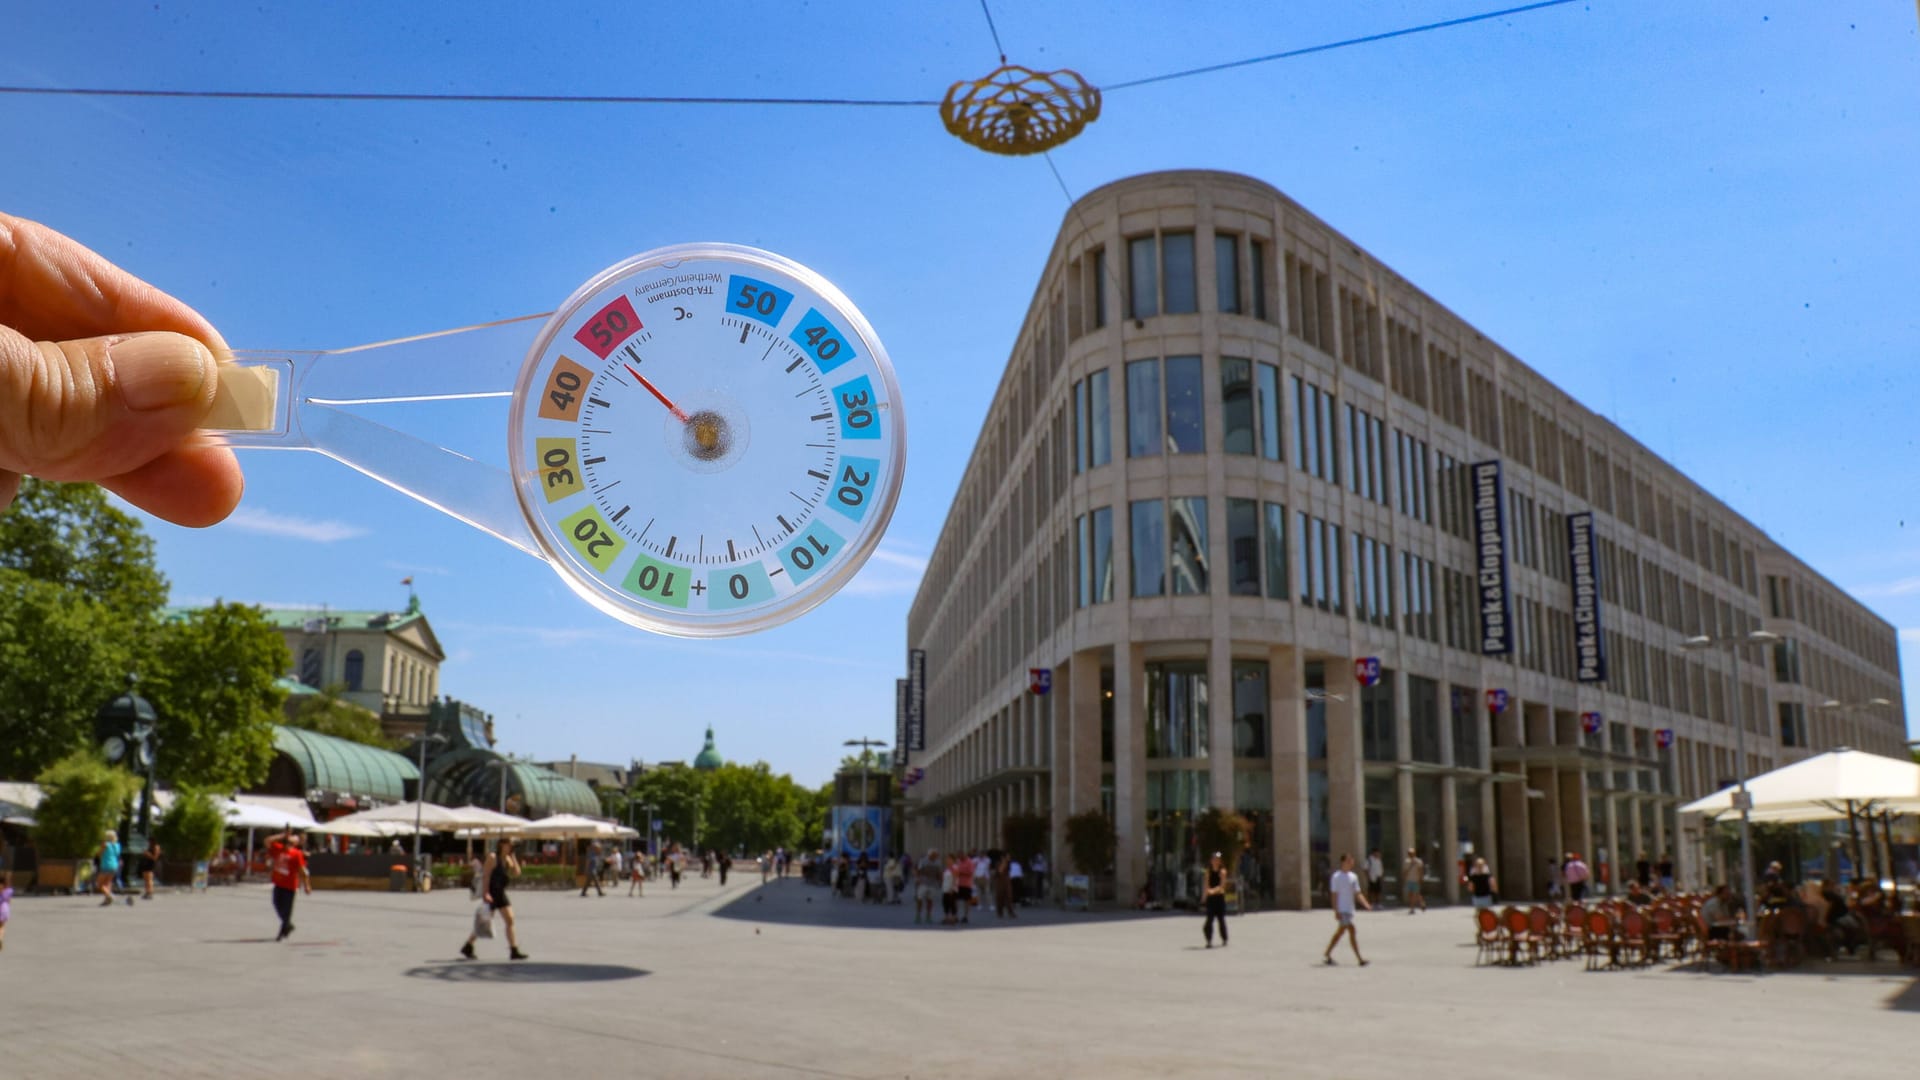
point(1231, 455)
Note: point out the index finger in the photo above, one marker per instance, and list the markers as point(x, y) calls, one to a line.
point(53, 288)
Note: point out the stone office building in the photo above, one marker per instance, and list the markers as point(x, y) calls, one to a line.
point(1231, 454)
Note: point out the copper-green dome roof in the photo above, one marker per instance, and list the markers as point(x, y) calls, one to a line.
point(709, 758)
point(347, 768)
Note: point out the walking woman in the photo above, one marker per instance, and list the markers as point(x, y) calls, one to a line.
point(1216, 899)
point(1482, 884)
point(106, 861)
point(502, 867)
point(149, 862)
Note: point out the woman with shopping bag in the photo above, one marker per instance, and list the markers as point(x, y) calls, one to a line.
point(501, 867)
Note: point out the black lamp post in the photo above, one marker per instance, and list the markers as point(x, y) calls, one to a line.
point(126, 730)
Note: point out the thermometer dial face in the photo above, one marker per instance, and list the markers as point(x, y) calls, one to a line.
point(707, 440)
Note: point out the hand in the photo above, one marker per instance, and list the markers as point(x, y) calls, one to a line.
point(104, 378)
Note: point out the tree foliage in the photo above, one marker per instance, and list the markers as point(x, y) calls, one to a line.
point(330, 713)
point(1092, 841)
point(1025, 835)
point(62, 656)
point(70, 536)
point(750, 809)
point(82, 798)
point(675, 792)
point(214, 688)
point(191, 828)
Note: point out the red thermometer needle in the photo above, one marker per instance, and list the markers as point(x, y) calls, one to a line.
point(655, 391)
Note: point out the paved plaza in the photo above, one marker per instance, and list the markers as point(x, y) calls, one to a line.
point(784, 981)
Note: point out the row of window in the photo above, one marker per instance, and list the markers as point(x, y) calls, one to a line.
point(1162, 276)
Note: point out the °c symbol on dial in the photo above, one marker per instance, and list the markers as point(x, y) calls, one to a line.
point(681, 313)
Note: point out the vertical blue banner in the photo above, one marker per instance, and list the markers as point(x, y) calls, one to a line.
point(1490, 560)
point(1589, 639)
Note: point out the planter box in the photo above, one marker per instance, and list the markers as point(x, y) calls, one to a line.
point(56, 875)
point(175, 873)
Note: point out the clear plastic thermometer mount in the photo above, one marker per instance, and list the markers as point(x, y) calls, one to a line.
point(704, 440)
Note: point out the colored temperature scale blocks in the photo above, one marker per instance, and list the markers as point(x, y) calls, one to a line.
point(854, 399)
point(813, 550)
point(561, 476)
point(854, 485)
point(609, 326)
point(755, 299)
point(822, 341)
point(661, 582)
point(738, 587)
point(592, 537)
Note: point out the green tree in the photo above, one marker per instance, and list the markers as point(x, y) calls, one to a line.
point(675, 792)
point(69, 535)
point(191, 828)
point(62, 656)
point(213, 685)
point(749, 809)
point(83, 797)
point(810, 807)
point(330, 713)
point(1092, 841)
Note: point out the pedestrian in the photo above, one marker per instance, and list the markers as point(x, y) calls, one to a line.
point(1040, 875)
point(149, 862)
point(1413, 878)
point(106, 863)
point(963, 878)
point(289, 865)
point(595, 861)
point(1577, 875)
point(637, 875)
point(476, 877)
point(766, 866)
point(1345, 889)
point(6, 904)
point(1643, 871)
point(726, 864)
point(1481, 884)
point(1246, 876)
point(615, 864)
point(501, 868)
point(895, 877)
point(950, 891)
point(1003, 888)
point(1215, 896)
point(675, 863)
point(1556, 879)
point(1376, 876)
point(1664, 868)
point(926, 886)
point(982, 876)
point(1017, 875)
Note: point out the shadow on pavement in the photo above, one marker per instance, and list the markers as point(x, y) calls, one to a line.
point(793, 902)
point(524, 972)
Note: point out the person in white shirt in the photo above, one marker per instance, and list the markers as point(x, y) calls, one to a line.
point(1344, 886)
point(1017, 879)
point(1040, 875)
point(982, 877)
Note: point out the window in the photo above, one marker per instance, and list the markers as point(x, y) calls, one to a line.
point(1180, 291)
point(1186, 424)
point(1080, 429)
point(1226, 272)
point(1335, 585)
point(1188, 526)
point(1143, 408)
point(1243, 547)
point(1276, 554)
point(1099, 447)
point(1177, 724)
point(310, 670)
point(1143, 265)
point(1257, 264)
point(1236, 405)
point(1098, 283)
point(1312, 583)
point(1149, 528)
point(1249, 709)
point(1094, 534)
point(1379, 738)
point(1316, 440)
point(356, 669)
point(1267, 406)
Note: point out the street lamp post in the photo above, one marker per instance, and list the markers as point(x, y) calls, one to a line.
point(1742, 799)
point(420, 796)
point(865, 745)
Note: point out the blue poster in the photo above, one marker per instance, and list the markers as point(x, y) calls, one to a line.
point(861, 830)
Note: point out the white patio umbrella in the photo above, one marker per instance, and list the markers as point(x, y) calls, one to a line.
point(434, 818)
point(1823, 787)
point(559, 825)
point(349, 827)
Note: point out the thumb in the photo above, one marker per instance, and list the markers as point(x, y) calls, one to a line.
point(98, 408)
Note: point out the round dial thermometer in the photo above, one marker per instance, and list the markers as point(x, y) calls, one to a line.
point(706, 440)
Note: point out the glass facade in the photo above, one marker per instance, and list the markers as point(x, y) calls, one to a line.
point(1143, 264)
point(1188, 526)
point(1143, 408)
point(1148, 522)
point(1179, 288)
point(1250, 730)
point(1243, 547)
point(1226, 272)
point(1186, 406)
point(1236, 405)
point(1175, 797)
point(1275, 542)
point(1177, 710)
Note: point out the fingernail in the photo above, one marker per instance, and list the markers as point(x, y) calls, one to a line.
point(159, 371)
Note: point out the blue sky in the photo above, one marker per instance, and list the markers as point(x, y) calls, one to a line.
point(1699, 219)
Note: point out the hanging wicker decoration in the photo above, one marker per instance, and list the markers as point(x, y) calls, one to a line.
point(1017, 110)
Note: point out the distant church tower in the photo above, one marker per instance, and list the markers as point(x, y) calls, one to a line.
point(709, 758)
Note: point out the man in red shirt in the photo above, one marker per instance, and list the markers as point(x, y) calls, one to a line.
point(289, 873)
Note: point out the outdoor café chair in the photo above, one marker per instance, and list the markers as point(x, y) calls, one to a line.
point(1488, 936)
point(1519, 934)
point(1600, 938)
